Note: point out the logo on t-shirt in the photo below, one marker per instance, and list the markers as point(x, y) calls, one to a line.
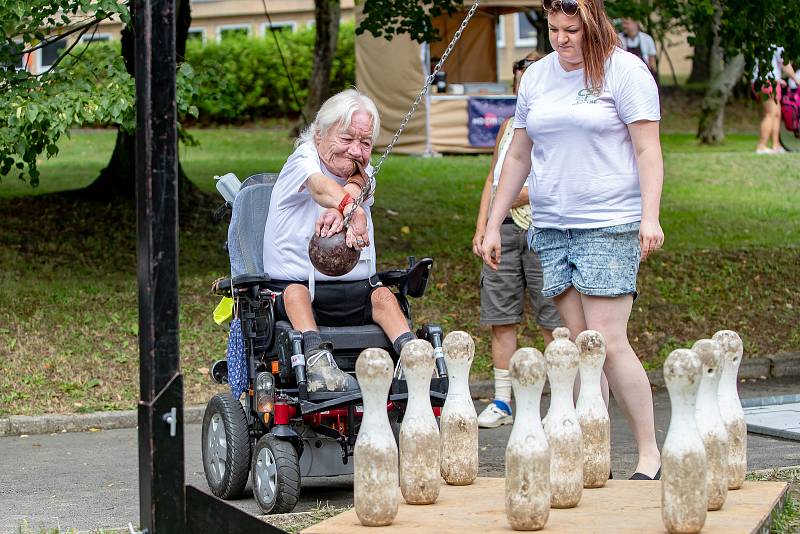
point(587, 96)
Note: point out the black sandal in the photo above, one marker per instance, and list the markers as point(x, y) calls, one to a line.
point(641, 476)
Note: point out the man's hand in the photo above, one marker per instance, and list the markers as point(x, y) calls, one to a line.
point(477, 241)
point(357, 231)
point(490, 249)
point(329, 223)
point(651, 237)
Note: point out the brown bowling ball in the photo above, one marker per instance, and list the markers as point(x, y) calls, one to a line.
point(331, 256)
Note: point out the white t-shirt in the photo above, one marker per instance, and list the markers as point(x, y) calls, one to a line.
point(291, 218)
point(645, 43)
point(777, 63)
point(584, 172)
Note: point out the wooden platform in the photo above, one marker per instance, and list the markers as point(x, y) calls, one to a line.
point(620, 506)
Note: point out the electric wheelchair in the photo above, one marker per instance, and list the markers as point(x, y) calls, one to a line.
point(280, 431)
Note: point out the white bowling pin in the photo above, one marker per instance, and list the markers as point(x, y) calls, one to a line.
point(527, 452)
point(419, 435)
point(709, 422)
point(592, 411)
point(375, 477)
point(684, 489)
point(561, 426)
point(730, 407)
point(458, 422)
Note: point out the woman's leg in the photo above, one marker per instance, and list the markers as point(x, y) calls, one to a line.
point(626, 376)
point(767, 119)
point(776, 125)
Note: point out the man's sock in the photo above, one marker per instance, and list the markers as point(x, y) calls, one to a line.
point(311, 341)
point(401, 341)
point(502, 387)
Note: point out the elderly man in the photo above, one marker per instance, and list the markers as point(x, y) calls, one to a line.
point(314, 191)
point(639, 44)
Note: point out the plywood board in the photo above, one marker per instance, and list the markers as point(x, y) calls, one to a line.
point(620, 506)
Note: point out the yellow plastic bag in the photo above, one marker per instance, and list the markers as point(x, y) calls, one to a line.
point(224, 310)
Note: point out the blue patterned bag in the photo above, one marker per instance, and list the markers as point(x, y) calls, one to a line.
point(237, 364)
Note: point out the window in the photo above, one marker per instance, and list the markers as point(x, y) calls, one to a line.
point(282, 26)
point(96, 38)
point(50, 53)
point(197, 34)
point(525, 32)
point(500, 31)
point(311, 23)
point(232, 30)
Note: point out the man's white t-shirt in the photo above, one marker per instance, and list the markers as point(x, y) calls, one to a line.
point(584, 172)
point(291, 218)
point(645, 43)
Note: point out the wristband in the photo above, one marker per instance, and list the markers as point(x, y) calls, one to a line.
point(347, 199)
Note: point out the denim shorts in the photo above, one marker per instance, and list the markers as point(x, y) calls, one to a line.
point(601, 262)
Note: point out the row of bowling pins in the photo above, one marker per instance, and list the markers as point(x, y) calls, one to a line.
point(426, 454)
point(705, 451)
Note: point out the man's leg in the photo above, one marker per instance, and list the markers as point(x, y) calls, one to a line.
point(387, 314)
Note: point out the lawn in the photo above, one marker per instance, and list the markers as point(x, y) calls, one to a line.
point(68, 298)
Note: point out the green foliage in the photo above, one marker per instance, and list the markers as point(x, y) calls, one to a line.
point(387, 18)
point(242, 78)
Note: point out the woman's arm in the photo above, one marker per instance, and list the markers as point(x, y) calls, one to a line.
point(516, 168)
point(647, 147)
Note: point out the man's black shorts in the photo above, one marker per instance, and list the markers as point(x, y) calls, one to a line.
point(335, 303)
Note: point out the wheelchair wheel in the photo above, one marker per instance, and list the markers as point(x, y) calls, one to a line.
point(276, 475)
point(790, 141)
point(226, 446)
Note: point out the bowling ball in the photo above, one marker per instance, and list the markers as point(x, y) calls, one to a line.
point(331, 256)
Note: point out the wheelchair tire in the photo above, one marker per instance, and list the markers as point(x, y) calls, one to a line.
point(226, 446)
point(275, 475)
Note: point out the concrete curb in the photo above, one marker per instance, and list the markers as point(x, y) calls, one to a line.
point(783, 364)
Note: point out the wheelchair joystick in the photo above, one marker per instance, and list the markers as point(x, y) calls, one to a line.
point(433, 334)
point(299, 364)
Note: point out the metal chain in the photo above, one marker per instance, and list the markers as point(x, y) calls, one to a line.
point(367, 189)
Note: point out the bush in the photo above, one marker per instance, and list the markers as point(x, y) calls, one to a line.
point(243, 78)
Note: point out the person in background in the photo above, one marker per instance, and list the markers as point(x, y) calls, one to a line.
point(586, 140)
point(639, 44)
point(503, 291)
point(770, 97)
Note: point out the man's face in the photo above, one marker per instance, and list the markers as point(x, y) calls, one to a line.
point(339, 148)
point(630, 27)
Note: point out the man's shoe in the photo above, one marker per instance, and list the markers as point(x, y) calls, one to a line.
point(323, 374)
point(498, 413)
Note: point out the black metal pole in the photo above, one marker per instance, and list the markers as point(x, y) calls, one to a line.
point(161, 463)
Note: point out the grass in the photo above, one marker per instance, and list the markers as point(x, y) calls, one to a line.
point(68, 297)
point(787, 520)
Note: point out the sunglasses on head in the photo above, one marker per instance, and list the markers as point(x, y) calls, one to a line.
point(568, 7)
point(523, 64)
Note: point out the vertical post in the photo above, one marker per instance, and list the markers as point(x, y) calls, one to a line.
point(161, 464)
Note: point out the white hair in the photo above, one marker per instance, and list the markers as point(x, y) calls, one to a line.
point(339, 109)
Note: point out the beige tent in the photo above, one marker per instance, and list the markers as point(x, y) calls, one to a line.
point(393, 73)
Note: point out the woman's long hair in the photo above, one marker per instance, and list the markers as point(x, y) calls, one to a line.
point(599, 41)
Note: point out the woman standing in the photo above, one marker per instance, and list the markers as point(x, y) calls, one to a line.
point(586, 126)
point(503, 290)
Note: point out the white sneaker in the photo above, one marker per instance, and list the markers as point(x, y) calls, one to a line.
point(778, 150)
point(765, 151)
point(494, 416)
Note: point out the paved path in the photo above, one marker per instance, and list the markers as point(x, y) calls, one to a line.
point(89, 480)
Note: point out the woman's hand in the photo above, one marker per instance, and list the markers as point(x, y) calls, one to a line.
point(477, 241)
point(357, 236)
point(329, 223)
point(651, 237)
point(490, 248)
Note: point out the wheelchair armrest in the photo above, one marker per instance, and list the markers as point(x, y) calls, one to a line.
point(222, 287)
point(249, 280)
point(410, 282)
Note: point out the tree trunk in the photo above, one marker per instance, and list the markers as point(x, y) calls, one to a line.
point(326, 20)
point(701, 59)
point(723, 77)
point(117, 181)
point(538, 20)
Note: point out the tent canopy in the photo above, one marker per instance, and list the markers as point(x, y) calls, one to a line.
point(393, 72)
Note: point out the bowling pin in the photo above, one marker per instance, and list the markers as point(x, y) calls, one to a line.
point(419, 435)
point(684, 489)
point(375, 477)
point(592, 411)
point(527, 452)
point(561, 427)
point(458, 422)
point(709, 422)
point(730, 407)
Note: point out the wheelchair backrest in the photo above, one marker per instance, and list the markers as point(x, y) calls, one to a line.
point(248, 222)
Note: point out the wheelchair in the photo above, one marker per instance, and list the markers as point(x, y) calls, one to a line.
point(280, 431)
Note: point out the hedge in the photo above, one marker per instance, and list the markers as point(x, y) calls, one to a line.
point(243, 78)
